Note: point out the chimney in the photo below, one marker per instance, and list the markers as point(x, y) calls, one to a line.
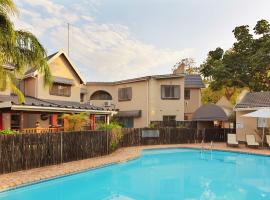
point(180, 69)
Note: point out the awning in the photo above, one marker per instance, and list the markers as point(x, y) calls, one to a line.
point(210, 112)
point(61, 80)
point(131, 113)
point(262, 113)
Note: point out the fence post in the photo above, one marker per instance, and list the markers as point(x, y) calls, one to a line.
point(61, 146)
point(107, 135)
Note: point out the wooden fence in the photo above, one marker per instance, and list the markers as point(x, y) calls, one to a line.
point(26, 151)
point(133, 137)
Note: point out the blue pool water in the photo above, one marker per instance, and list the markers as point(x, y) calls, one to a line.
point(182, 174)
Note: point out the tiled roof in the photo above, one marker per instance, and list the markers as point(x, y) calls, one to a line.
point(255, 99)
point(210, 112)
point(31, 101)
point(193, 81)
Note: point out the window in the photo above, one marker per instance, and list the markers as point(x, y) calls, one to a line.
point(170, 91)
point(15, 121)
point(60, 90)
point(101, 95)
point(125, 94)
point(187, 94)
point(82, 97)
point(60, 121)
point(169, 118)
point(126, 122)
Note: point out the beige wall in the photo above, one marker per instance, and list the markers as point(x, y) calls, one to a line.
point(30, 87)
point(93, 88)
point(60, 67)
point(6, 120)
point(146, 96)
point(194, 102)
point(30, 120)
point(249, 125)
point(138, 101)
point(6, 92)
point(159, 107)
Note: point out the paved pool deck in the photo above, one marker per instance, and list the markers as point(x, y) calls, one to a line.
point(15, 179)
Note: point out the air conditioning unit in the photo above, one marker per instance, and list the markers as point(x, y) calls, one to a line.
point(90, 103)
point(107, 104)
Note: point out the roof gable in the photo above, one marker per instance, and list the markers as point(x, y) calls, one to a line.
point(51, 58)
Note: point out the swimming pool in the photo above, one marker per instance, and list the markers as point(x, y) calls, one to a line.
point(168, 174)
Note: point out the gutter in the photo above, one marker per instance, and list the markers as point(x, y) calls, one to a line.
point(249, 109)
point(54, 109)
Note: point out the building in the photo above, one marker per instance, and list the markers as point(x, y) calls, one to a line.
point(150, 99)
point(44, 106)
point(248, 103)
point(139, 101)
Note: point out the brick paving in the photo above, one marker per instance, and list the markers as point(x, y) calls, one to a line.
point(15, 179)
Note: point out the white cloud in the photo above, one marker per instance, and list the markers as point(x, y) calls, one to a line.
point(101, 51)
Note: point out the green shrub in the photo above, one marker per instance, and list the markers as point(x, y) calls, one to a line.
point(152, 125)
point(7, 132)
point(116, 131)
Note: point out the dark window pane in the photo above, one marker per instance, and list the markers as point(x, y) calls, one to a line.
point(170, 91)
point(187, 94)
point(125, 94)
point(60, 90)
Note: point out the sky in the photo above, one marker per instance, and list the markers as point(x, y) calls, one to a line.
point(118, 39)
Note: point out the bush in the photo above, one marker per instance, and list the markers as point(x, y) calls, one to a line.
point(7, 132)
point(116, 131)
point(75, 122)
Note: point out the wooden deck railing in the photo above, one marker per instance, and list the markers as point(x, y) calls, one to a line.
point(40, 130)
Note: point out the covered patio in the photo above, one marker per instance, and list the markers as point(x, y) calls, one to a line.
point(39, 115)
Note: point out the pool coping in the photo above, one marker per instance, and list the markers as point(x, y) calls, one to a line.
point(138, 154)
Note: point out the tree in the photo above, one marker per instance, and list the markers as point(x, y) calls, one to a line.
point(245, 64)
point(213, 96)
point(186, 65)
point(19, 51)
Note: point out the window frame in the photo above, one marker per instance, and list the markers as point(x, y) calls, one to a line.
point(170, 98)
point(125, 99)
point(82, 97)
point(187, 89)
point(58, 93)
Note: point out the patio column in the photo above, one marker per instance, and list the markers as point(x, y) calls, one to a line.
point(108, 119)
point(54, 120)
point(92, 122)
point(6, 123)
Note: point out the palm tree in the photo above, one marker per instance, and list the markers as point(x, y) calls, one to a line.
point(19, 50)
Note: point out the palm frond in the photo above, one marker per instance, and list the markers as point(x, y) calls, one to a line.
point(18, 93)
point(8, 7)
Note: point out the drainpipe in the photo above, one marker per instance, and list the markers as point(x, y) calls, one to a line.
point(147, 102)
